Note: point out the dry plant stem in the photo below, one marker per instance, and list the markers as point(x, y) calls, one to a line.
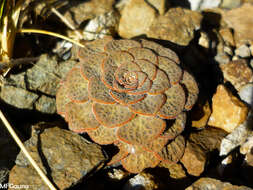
point(22, 147)
point(50, 34)
point(65, 21)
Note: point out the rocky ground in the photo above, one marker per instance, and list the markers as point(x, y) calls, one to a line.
point(212, 38)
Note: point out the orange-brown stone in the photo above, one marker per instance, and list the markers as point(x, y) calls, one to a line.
point(228, 110)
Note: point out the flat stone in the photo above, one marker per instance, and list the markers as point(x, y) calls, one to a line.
point(136, 18)
point(177, 25)
point(194, 159)
point(63, 155)
point(18, 97)
point(208, 139)
point(228, 111)
point(243, 51)
point(205, 183)
point(237, 73)
point(241, 21)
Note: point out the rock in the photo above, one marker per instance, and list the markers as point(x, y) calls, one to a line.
point(204, 40)
point(230, 4)
point(35, 87)
point(237, 73)
point(143, 181)
point(117, 174)
point(203, 4)
point(241, 22)
point(208, 139)
point(102, 25)
point(63, 155)
point(243, 51)
point(205, 183)
point(43, 76)
point(247, 149)
point(194, 159)
point(160, 5)
point(201, 114)
point(136, 18)
point(227, 36)
point(45, 104)
point(222, 58)
point(237, 137)
point(176, 170)
point(177, 25)
point(18, 97)
point(79, 11)
point(246, 94)
point(228, 111)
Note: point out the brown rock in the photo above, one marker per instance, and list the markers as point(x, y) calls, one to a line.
point(228, 110)
point(227, 36)
point(241, 21)
point(238, 73)
point(177, 25)
point(194, 159)
point(201, 114)
point(209, 139)
point(136, 18)
point(176, 170)
point(67, 158)
point(160, 5)
point(214, 184)
point(79, 11)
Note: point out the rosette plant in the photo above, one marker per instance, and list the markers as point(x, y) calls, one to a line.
point(133, 94)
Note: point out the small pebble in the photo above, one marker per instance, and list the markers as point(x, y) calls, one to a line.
point(243, 51)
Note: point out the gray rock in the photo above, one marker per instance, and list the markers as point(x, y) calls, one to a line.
point(141, 181)
point(18, 97)
point(63, 155)
point(230, 4)
point(205, 183)
point(102, 25)
point(222, 58)
point(246, 94)
point(237, 137)
point(203, 4)
point(35, 87)
point(243, 51)
point(45, 104)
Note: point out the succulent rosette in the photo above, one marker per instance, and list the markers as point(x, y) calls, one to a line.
point(123, 92)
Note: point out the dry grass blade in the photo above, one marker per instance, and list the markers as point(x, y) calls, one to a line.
point(50, 34)
point(22, 147)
